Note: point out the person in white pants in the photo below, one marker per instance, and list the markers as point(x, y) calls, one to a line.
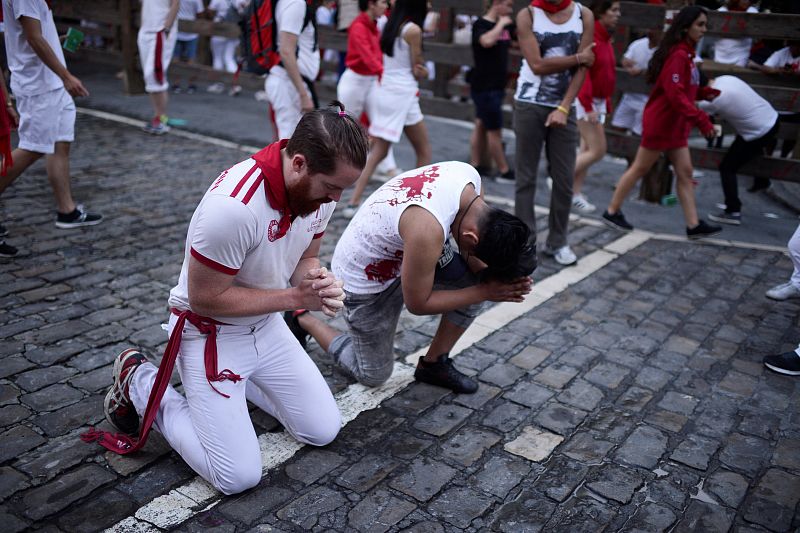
point(251, 254)
point(789, 362)
point(156, 42)
point(223, 49)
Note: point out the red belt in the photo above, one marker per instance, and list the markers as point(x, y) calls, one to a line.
point(123, 444)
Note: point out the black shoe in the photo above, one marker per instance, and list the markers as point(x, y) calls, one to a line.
point(786, 363)
point(3, 231)
point(78, 218)
point(723, 217)
point(507, 177)
point(6, 250)
point(290, 317)
point(442, 373)
point(616, 221)
point(702, 230)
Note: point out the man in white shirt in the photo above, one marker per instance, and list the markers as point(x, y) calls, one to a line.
point(43, 88)
point(156, 41)
point(290, 84)
point(734, 51)
point(635, 60)
point(251, 253)
point(756, 124)
point(786, 60)
point(396, 252)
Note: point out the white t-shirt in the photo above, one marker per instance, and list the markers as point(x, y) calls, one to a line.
point(781, 58)
point(188, 10)
point(397, 71)
point(640, 53)
point(29, 75)
point(733, 51)
point(290, 15)
point(236, 229)
point(369, 254)
point(154, 15)
point(740, 106)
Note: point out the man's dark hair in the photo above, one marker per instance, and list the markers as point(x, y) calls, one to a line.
point(325, 136)
point(363, 5)
point(503, 244)
point(599, 7)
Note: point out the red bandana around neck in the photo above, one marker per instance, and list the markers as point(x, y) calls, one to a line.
point(551, 8)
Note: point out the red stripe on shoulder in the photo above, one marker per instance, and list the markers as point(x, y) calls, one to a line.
point(243, 180)
point(253, 189)
point(210, 263)
point(319, 235)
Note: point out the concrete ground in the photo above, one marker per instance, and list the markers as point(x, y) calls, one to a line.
point(626, 394)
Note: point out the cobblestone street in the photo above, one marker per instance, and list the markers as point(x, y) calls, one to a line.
point(628, 395)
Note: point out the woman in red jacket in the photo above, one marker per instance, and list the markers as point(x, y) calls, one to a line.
point(594, 98)
point(668, 117)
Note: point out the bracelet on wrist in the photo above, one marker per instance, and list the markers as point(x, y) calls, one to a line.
point(563, 109)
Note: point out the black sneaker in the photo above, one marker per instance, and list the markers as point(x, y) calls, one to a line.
point(290, 317)
point(3, 231)
point(118, 407)
point(78, 218)
point(442, 373)
point(6, 250)
point(786, 363)
point(702, 230)
point(616, 221)
point(507, 177)
point(723, 217)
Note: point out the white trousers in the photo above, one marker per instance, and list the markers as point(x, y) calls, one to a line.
point(285, 101)
point(146, 41)
point(794, 253)
point(214, 434)
point(223, 53)
point(355, 90)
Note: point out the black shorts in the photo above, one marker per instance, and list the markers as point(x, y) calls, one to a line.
point(488, 108)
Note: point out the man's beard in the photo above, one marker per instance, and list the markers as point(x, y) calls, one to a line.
point(299, 199)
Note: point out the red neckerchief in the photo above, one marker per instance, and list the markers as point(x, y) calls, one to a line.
point(551, 8)
point(270, 163)
point(600, 32)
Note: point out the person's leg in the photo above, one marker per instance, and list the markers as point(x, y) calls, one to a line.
point(377, 152)
point(736, 156)
point(494, 140)
point(418, 136)
point(794, 253)
point(560, 146)
point(477, 143)
point(57, 165)
point(212, 433)
point(159, 102)
point(644, 160)
point(288, 385)
point(530, 132)
point(353, 93)
point(594, 137)
point(682, 165)
point(217, 46)
point(22, 160)
point(229, 55)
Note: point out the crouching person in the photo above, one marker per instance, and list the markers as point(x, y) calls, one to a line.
point(251, 254)
point(396, 251)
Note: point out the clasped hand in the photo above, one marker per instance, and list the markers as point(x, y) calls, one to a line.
point(511, 291)
point(321, 291)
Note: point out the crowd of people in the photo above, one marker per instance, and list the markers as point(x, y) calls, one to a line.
point(426, 239)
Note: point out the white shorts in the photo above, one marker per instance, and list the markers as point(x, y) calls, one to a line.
point(391, 110)
point(598, 105)
point(155, 72)
point(285, 102)
point(629, 112)
point(355, 90)
point(45, 119)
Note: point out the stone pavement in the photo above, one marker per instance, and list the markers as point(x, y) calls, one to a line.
point(631, 400)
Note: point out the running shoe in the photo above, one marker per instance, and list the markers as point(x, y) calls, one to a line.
point(6, 250)
point(702, 230)
point(563, 256)
point(78, 218)
point(442, 373)
point(786, 363)
point(118, 408)
point(616, 221)
point(723, 217)
point(583, 205)
point(784, 291)
point(156, 127)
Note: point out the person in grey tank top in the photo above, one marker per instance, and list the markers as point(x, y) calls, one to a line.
point(556, 40)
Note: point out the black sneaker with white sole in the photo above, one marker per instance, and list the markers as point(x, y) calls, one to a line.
point(616, 221)
point(702, 230)
point(786, 363)
point(442, 373)
point(6, 250)
point(723, 217)
point(78, 218)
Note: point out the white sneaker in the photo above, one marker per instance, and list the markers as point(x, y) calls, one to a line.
point(784, 291)
point(216, 88)
point(563, 256)
point(583, 205)
point(549, 182)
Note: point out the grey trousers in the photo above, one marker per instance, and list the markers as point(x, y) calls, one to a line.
point(366, 350)
point(560, 145)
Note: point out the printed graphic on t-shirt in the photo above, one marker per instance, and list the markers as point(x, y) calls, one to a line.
point(554, 86)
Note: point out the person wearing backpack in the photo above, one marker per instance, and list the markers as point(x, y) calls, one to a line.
point(289, 85)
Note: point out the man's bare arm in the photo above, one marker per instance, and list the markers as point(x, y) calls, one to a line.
point(32, 29)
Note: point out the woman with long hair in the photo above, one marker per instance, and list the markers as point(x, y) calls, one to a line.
point(669, 116)
point(396, 108)
point(594, 99)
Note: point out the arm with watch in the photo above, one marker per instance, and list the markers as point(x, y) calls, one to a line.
point(171, 15)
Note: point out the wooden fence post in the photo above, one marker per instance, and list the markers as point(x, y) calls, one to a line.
point(132, 73)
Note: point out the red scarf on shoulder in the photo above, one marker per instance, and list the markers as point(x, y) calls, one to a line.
point(551, 8)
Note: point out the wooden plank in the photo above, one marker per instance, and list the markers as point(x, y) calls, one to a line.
point(624, 145)
point(131, 68)
point(206, 74)
point(107, 32)
point(208, 27)
point(104, 11)
point(753, 77)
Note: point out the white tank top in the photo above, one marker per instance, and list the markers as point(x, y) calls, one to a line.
point(397, 68)
point(369, 255)
point(555, 40)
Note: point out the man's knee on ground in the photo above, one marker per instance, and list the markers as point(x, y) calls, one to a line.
point(375, 378)
point(324, 433)
point(238, 480)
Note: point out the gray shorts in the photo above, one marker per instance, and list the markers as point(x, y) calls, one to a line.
point(366, 350)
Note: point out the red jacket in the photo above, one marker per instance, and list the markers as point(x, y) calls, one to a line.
point(600, 80)
point(671, 112)
point(364, 54)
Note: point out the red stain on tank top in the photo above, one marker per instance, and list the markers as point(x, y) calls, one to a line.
point(411, 187)
point(384, 270)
